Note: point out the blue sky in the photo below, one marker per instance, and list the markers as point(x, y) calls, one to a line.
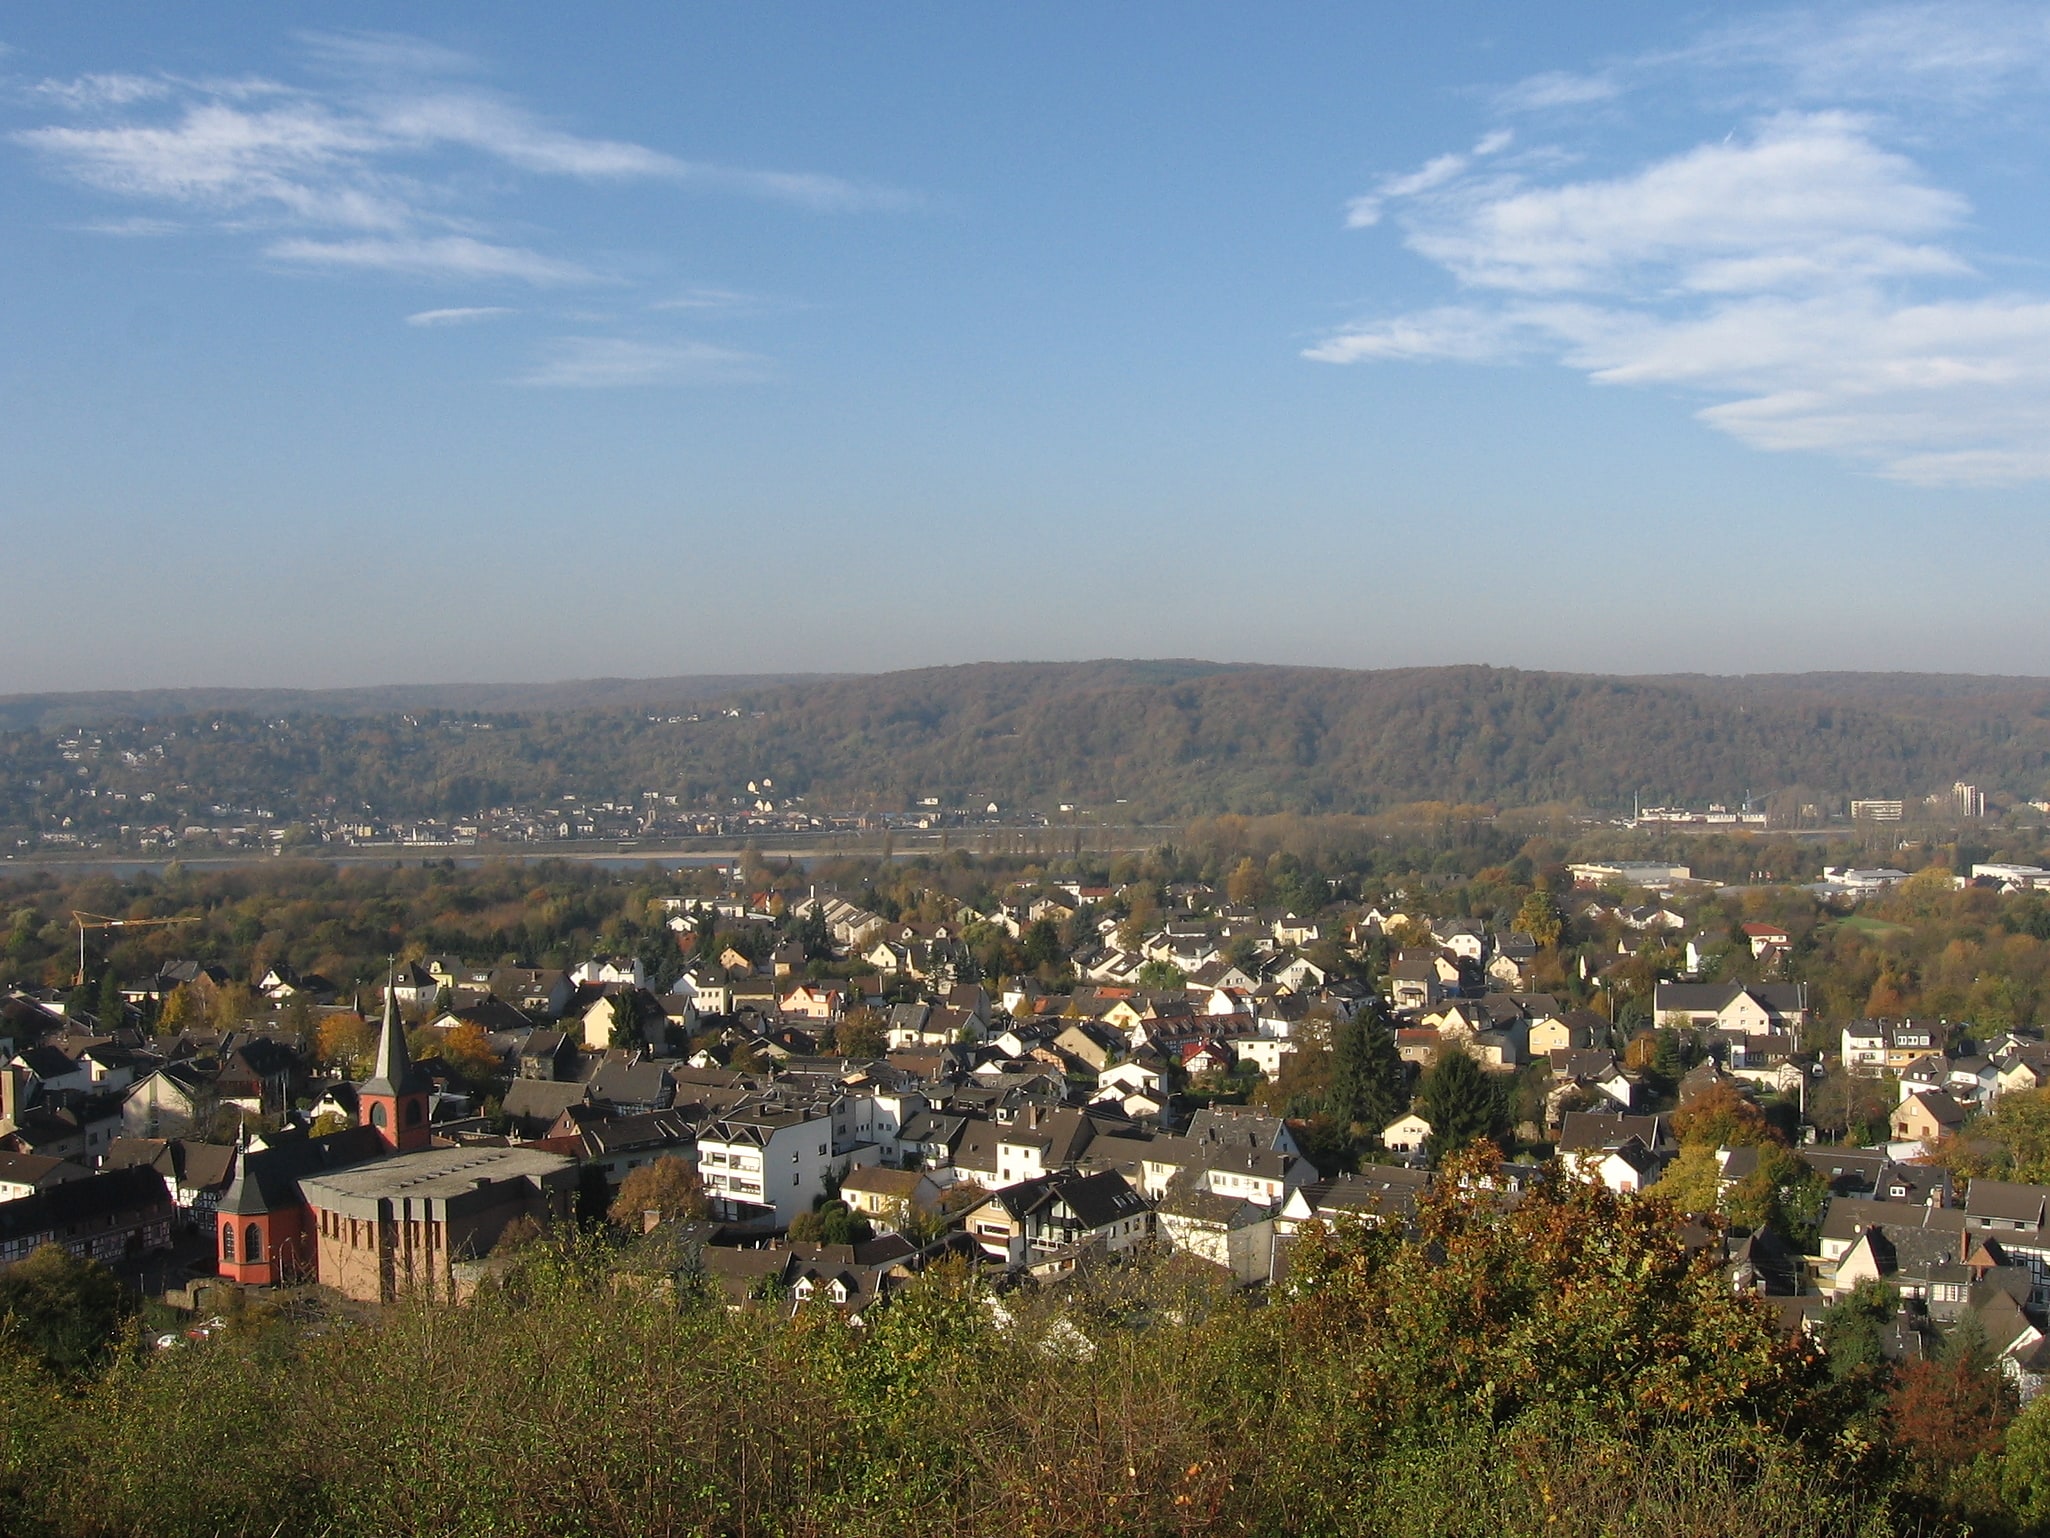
point(519, 341)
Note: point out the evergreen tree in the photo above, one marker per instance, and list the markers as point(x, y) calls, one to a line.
point(1368, 1077)
point(1462, 1103)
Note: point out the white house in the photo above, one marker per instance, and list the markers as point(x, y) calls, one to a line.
point(1405, 1134)
point(774, 1159)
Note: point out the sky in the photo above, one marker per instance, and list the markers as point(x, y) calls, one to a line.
point(367, 344)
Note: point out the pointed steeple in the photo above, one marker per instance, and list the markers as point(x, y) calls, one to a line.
point(245, 1195)
point(394, 1073)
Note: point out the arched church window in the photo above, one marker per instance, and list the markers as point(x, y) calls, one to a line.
point(377, 1115)
point(252, 1243)
point(227, 1241)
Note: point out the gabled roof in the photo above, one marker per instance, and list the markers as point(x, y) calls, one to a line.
point(75, 1202)
point(2008, 1201)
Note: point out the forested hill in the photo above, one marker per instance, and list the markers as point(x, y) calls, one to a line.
point(1171, 739)
point(20, 712)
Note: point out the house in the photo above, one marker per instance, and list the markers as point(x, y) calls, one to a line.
point(174, 1101)
point(1764, 938)
point(197, 1173)
point(541, 993)
point(26, 1174)
point(547, 1056)
point(708, 989)
point(1414, 984)
point(1094, 1046)
point(612, 971)
point(1055, 1216)
point(108, 1217)
point(1228, 1231)
point(772, 1161)
point(1263, 1054)
point(1406, 1134)
point(885, 1196)
point(1926, 1118)
point(1623, 1152)
point(1873, 1047)
point(1755, 1009)
point(1290, 930)
point(813, 1001)
point(2018, 1216)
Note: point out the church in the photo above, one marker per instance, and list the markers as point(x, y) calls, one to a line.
point(376, 1211)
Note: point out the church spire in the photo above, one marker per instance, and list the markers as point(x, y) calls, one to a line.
point(394, 1098)
point(393, 1074)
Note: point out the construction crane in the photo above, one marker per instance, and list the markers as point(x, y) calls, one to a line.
point(86, 921)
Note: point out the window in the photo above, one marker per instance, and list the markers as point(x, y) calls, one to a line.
point(252, 1243)
point(377, 1115)
point(228, 1241)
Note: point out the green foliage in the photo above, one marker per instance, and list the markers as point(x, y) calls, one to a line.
point(1369, 1080)
point(1464, 1104)
point(831, 1222)
point(1559, 1366)
point(66, 1311)
point(1161, 975)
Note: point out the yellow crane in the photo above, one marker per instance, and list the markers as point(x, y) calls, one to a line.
point(86, 921)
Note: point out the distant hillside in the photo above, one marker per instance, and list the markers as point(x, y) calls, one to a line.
point(1170, 738)
point(19, 712)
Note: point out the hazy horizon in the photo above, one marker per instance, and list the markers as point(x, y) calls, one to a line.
point(750, 678)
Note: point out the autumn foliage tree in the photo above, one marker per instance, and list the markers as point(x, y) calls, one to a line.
point(667, 1187)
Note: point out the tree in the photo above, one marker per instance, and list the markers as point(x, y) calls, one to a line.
point(1846, 1102)
point(1539, 918)
point(182, 1008)
point(1722, 1117)
point(1693, 1182)
point(1043, 944)
point(1246, 885)
point(466, 1048)
point(831, 1222)
point(64, 1309)
point(1851, 1331)
point(346, 1041)
point(1161, 975)
point(110, 1007)
point(862, 1032)
point(1781, 1193)
point(1462, 1103)
point(668, 1186)
point(1368, 1076)
point(2025, 1470)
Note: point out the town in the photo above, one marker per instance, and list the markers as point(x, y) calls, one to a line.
point(811, 1093)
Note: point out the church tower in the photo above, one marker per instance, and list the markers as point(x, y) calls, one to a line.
point(394, 1098)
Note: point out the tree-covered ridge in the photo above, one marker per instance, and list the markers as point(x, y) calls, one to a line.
point(1165, 739)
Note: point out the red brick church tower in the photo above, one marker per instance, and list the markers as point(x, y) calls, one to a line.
point(393, 1100)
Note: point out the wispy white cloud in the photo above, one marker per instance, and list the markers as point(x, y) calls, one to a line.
point(605, 362)
point(727, 299)
point(462, 315)
point(99, 90)
point(360, 168)
point(1557, 88)
point(1364, 212)
point(1806, 278)
point(436, 256)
